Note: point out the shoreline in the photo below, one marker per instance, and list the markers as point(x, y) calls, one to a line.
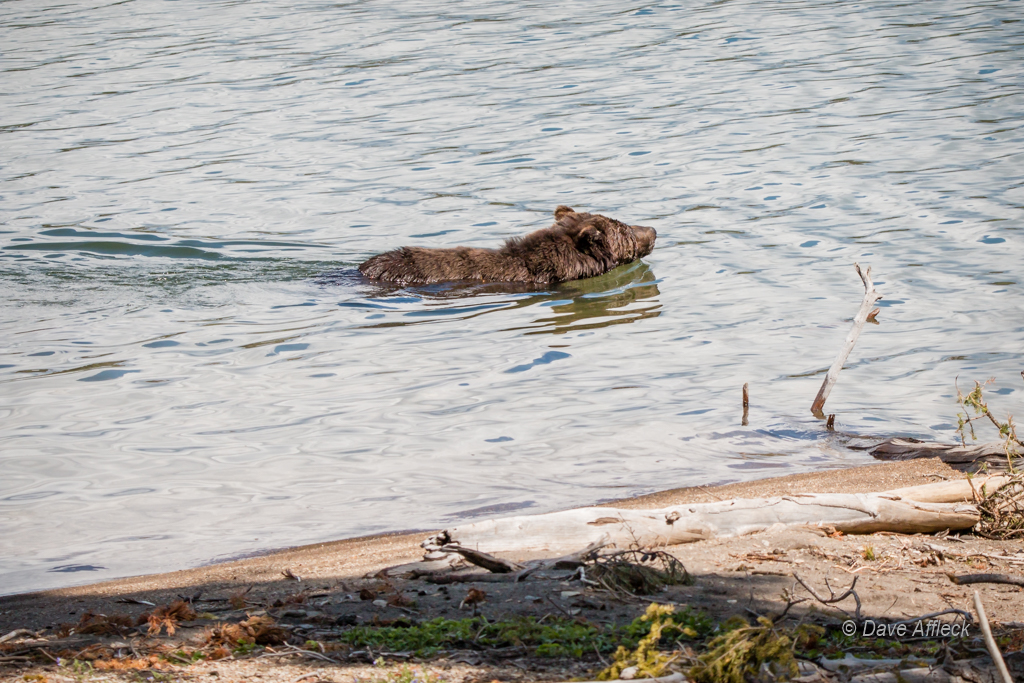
point(364, 554)
point(318, 600)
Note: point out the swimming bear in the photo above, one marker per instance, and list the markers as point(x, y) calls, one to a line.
point(576, 246)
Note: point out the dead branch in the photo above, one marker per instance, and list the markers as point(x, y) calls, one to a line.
point(834, 598)
point(791, 602)
point(578, 558)
point(489, 562)
point(570, 561)
point(870, 297)
point(636, 572)
point(16, 633)
point(964, 579)
point(990, 642)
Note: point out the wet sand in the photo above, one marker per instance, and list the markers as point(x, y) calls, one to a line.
point(734, 576)
point(353, 558)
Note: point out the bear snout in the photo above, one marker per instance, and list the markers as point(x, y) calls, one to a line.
point(645, 237)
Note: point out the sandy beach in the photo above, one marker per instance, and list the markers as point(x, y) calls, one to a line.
point(316, 592)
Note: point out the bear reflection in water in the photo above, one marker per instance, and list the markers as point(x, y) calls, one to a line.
point(578, 245)
point(626, 294)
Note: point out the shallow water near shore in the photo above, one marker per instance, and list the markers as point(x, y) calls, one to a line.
point(192, 369)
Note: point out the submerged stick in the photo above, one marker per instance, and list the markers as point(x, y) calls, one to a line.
point(865, 312)
point(746, 404)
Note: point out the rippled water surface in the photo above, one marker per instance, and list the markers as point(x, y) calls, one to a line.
point(191, 368)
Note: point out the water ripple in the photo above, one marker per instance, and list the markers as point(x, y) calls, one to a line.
point(194, 369)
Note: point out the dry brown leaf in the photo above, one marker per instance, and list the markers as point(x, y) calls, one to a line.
point(261, 630)
point(167, 617)
point(103, 625)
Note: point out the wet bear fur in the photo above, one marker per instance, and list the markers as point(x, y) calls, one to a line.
point(576, 246)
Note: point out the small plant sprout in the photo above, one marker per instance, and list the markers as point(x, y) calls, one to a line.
point(976, 401)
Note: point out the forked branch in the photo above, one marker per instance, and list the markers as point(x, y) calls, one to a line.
point(866, 312)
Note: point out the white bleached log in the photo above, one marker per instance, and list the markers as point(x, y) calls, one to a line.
point(955, 491)
point(561, 532)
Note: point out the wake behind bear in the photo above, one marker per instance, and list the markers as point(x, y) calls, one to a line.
point(576, 246)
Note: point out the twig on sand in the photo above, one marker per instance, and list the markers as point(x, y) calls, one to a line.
point(292, 650)
point(963, 579)
point(16, 633)
point(791, 602)
point(834, 599)
point(990, 642)
point(865, 312)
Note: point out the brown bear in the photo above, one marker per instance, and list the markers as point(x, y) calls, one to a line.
point(576, 246)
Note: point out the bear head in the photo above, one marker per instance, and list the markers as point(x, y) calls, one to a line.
point(611, 242)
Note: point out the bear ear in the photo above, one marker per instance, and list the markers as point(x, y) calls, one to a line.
point(593, 242)
point(562, 211)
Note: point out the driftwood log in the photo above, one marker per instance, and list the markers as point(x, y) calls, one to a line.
point(955, 491)
point(918, 509)
point(865, 313)
point(963, 458)
point(846, 512)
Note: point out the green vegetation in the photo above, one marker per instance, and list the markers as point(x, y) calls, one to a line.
point(740, 652)
point(657, 643)
point(1007, 430)
point(552, 637)
point(648, 661)
point(729, 651)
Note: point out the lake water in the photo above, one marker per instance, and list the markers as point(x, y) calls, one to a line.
point(180, 382)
